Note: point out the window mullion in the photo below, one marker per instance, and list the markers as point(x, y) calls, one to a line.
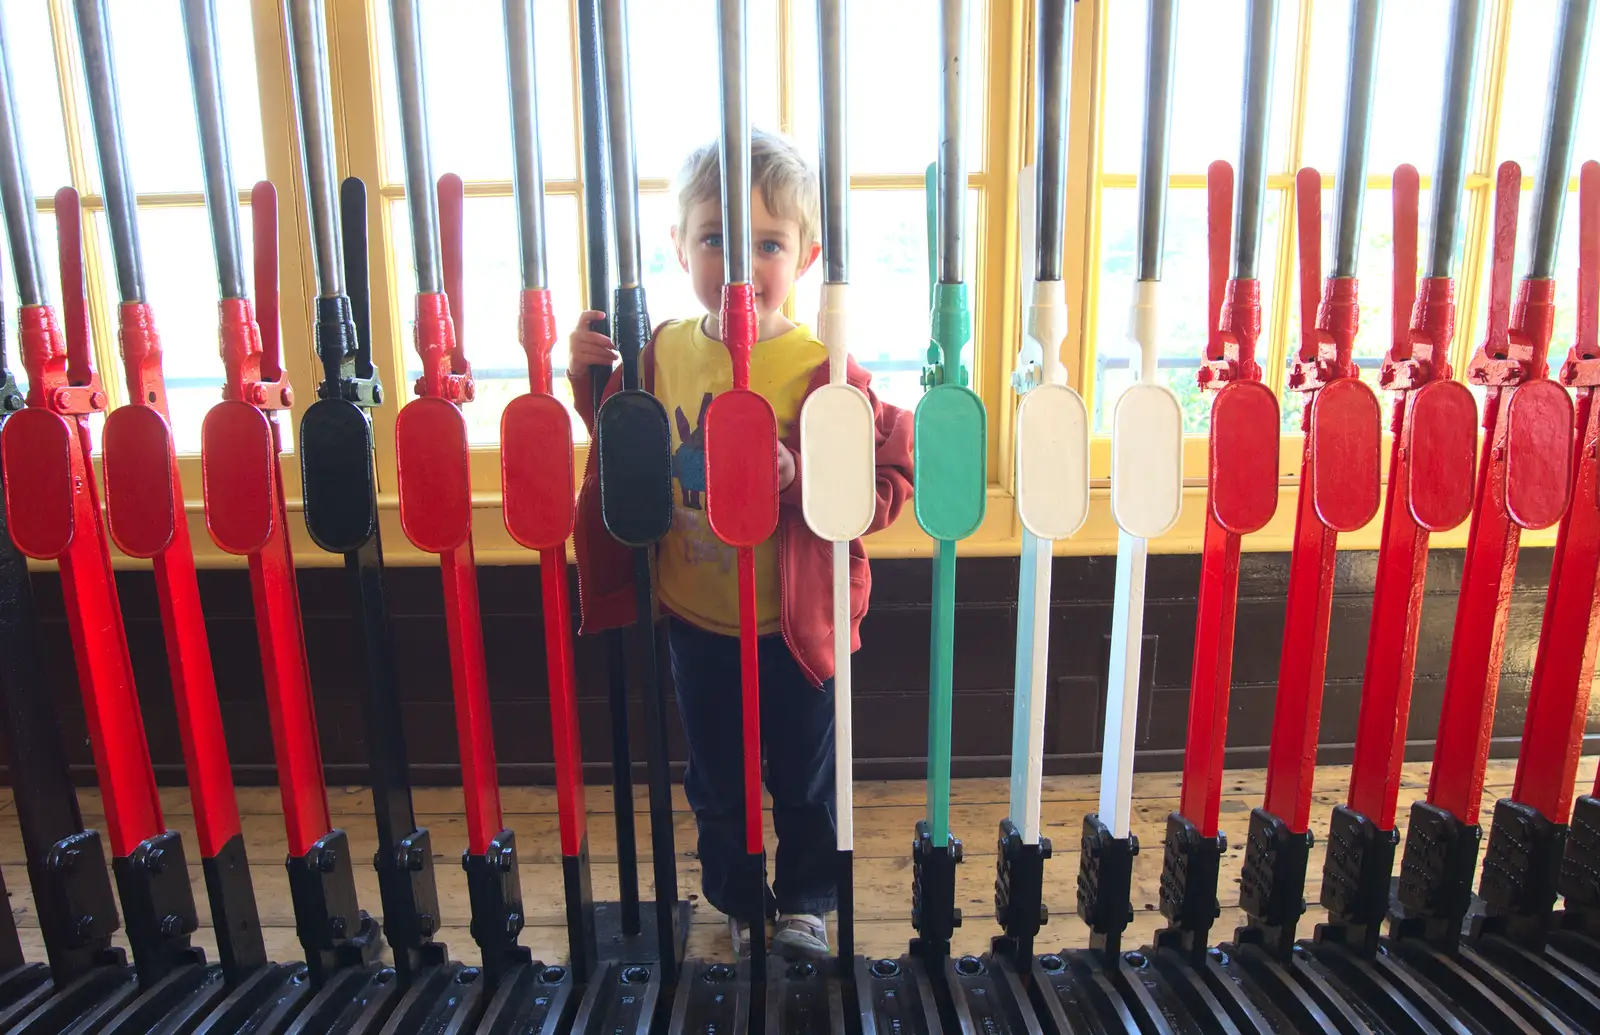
point(1480, 200)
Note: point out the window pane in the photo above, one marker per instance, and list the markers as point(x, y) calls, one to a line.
point(492, 287)
point(1406, 132)
point(158, 102)
point(893, 129)
point(1183, 317)
point(469, 105)
point(889, 288)
point(180, 284)
point(675, 78)
point(1208, 89)
point(1529, 60)
point(38, 95)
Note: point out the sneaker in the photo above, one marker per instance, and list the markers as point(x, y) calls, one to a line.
point(739, 935)
point(801, 936)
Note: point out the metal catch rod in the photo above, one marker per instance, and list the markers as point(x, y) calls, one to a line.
point(222, 198)
point(421, 200)
point(1250, 204)
point(105, 107)
point(1351, 190)
point(17, 193)
point(1560, 134)
point(619, 140)
point(1450, 172)
point(308, 51)
point(952, 142)
point(527, 179)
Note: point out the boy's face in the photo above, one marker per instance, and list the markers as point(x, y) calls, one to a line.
point(777, 255)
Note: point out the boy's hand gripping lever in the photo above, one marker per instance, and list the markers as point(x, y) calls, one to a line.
point(247, 515)
point(1532, 855)
point(1146, 497)
point(342, 516)
point(633, 443)
point(1338, 493)
point(1431, 462)
point(55, 514)
point(1052, 486)
point(435, 489)
point(1524, 476)
point(1241, 495)
point(66, 863)
point(145, 513)
point(536, 477)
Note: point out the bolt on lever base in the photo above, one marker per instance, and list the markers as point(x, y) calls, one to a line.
point(76, 907)
point(410, 902)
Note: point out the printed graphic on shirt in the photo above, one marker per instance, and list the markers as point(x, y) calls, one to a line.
point(689, 459)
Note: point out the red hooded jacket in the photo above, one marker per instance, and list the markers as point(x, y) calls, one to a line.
point(805, 561)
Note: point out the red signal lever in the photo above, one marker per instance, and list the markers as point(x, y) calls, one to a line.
point(54, 514)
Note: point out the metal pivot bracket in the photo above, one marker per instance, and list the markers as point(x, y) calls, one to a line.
point(1521, 871)
point(406, 876)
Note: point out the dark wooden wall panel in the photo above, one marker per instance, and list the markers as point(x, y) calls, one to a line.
point(891, 669)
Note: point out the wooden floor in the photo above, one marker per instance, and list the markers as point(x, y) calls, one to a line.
point(886, 812)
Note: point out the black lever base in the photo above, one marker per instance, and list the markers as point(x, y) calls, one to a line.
point(410, 903)
point(494, 888)
point(623, 999)
point(895, 995)
point(1272, 889)
point(933, 896)
point(1355, 880)
point(1521, 874)
point(1105, 884)
point(240, 948)
point(1189, 872)
point(1019, 906)
point(715, 997)
point(76, 906)
point(333, 929)
point(1436, 870)
point(153, 884)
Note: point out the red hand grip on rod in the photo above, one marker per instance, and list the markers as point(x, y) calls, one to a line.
point(742, 509)
point(246, 515)
point(1523, 479)
point(435, 484)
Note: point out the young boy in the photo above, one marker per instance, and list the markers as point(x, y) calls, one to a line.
point(686, 366)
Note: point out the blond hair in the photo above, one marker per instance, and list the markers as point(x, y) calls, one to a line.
point(786, 180)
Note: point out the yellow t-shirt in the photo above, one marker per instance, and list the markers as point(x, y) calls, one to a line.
point(698, 574)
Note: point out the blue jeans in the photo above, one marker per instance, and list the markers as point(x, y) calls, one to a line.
point(797, 735)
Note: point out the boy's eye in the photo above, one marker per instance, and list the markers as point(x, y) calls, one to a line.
point(712, 240)
point(771, 247)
